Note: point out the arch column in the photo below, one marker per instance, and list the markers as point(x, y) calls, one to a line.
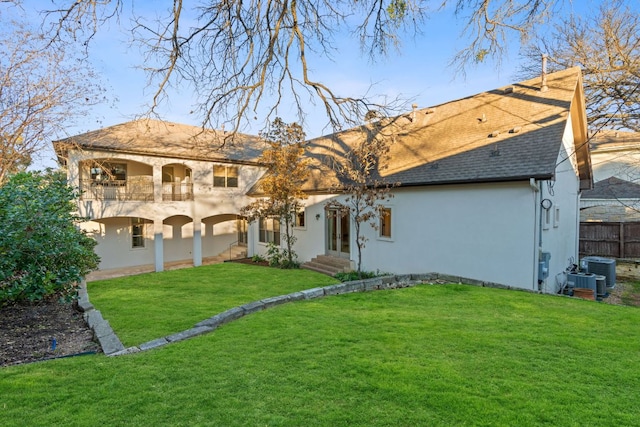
point(158, 241)
point(197, 242)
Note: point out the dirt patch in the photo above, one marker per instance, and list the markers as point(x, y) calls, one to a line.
point(250, 261)
point(27, 333)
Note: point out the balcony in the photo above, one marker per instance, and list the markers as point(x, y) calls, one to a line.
point(177, 191)
point(135, 188)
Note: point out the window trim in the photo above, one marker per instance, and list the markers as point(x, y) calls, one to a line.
point(135, 222)
point(381, 225)
point(268, 233)
point(227, 178)
point(301, 212)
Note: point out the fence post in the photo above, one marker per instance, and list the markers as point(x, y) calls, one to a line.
point(622, 240)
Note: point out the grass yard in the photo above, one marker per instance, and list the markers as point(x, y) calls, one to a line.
point(432, 355)
point(148, 306)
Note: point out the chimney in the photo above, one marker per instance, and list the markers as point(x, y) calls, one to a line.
point(413, 113)
point(544, 87)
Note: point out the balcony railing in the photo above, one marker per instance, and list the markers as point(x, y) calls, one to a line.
point(177, 191)
point(134, 188)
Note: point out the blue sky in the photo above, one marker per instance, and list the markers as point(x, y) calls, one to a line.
point(419, 70)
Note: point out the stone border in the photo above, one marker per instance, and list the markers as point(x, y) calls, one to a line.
point(109, 341)
point(111, 345)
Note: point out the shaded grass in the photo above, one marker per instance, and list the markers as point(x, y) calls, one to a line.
point(631, 293)
point(431, 355)
point(149, 306)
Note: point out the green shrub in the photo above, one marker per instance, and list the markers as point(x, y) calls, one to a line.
point(42, 252)
point(280, 258)
point(257, 258)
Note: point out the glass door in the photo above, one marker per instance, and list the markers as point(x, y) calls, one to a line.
point(338, 233)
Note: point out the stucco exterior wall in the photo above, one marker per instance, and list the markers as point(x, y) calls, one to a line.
point(467, 230)
point(493, 232)
point(189, 230)
point(113, 236)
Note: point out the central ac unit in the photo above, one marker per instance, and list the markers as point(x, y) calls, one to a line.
point(601, 266)
point(582, 280)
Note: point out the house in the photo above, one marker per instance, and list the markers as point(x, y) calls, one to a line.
point(615, 156)
point(610, 212)
point(158, 193)
point(488, 188)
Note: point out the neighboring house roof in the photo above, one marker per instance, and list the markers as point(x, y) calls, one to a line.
point(614, 140)
point(613, 188)
point(508, 134)
point(165, 139)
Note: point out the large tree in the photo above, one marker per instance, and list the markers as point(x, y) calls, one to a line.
point(43, 87)
point(239, 54)
point(365, 190)
point(281, 186)
point(606, 45)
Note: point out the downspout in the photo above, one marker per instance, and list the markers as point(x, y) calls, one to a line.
point(537, 234)
point(577, 243)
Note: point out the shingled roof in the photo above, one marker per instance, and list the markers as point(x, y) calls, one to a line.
point(165, 139)
point(614, 140)
point(613, 188)
point(508, 134)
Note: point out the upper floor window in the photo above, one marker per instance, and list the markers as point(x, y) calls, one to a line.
point(225, 176)
point(109, 172)
point(385, 222)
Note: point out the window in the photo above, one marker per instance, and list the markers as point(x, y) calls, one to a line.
point(269, 230)
point(300, 217)
point(225, 176)
point(137, 232)
point(109, 172)
point(547, 219)
point(556, 217)
point(385, 222)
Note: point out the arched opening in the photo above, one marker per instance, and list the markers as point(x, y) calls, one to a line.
point(177, 233)
point(177, 182)
point(222, 233)
point(115, 179)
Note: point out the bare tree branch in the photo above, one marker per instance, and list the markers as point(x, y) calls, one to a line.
point(41, 91)
point(606, 46)
point(238, 55)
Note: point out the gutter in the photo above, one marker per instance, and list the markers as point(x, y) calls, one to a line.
point(537, 234)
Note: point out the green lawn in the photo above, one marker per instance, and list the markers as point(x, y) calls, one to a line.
point(432, 355)
point(148, 306)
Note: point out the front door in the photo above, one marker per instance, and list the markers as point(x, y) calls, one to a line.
point(338, 233)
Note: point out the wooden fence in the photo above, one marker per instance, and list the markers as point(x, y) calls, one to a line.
point(610, 239)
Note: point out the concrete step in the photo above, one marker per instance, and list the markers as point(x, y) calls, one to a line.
point(328, 265)
point(318, 269)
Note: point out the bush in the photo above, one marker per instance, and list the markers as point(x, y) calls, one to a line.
point(42, 252)
point(279, 258)
point(257, 259)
